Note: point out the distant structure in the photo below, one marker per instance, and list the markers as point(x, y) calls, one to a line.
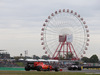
point(4, 54)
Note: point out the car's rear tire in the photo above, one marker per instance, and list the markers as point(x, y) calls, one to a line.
point(27, 68)
point(48, 69)
point(56, 69)
point(79, 68)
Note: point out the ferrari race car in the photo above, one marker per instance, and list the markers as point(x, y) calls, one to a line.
point(74, 67)
point(40, 66)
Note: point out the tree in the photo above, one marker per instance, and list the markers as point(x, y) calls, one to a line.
point(21, 54)
point(17, 58)
point(69, 55)
point(61, 57)
point(77, 63)
point(85, 59)
point(36, 57)
point(45, 57)
point(94, 59)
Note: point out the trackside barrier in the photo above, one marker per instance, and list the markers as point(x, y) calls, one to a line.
point(92, 67)
point(12, 68)
point(81, 67)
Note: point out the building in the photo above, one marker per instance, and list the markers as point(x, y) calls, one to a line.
point(4, 55)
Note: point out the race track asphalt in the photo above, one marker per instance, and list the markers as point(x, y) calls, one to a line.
point(84, 70)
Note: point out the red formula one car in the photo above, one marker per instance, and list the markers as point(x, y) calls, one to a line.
point(40, 66)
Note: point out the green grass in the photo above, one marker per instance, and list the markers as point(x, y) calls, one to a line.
point(40, 73)
point(20, 64)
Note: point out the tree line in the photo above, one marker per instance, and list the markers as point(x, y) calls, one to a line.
point(93, 59)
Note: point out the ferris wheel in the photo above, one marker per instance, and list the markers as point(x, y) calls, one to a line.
point(65, 33)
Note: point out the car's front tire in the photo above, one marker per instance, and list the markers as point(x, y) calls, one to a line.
point(39, 68)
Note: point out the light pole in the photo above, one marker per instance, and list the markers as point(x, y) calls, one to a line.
point(26, 53)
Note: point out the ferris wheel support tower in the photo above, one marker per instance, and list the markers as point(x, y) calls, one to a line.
point(65, 41)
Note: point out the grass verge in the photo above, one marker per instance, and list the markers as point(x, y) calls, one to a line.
point(40, 73)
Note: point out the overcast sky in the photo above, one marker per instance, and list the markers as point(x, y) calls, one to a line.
point(21, 22)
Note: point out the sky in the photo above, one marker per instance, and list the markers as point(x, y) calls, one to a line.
point(21, 22)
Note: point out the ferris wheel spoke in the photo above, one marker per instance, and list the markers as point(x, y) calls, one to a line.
point(52, 46)
point(79, 44)
point(52, 39)
point(51, 34)
point(81, 51)
point(51, 31)
point(55, 21)
point(79, 37)
point(54, 24)
point(78, 33)
point(78, 29)
point(49, 51)
point(79, 40)
point(54, 28)
point(52, 42)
